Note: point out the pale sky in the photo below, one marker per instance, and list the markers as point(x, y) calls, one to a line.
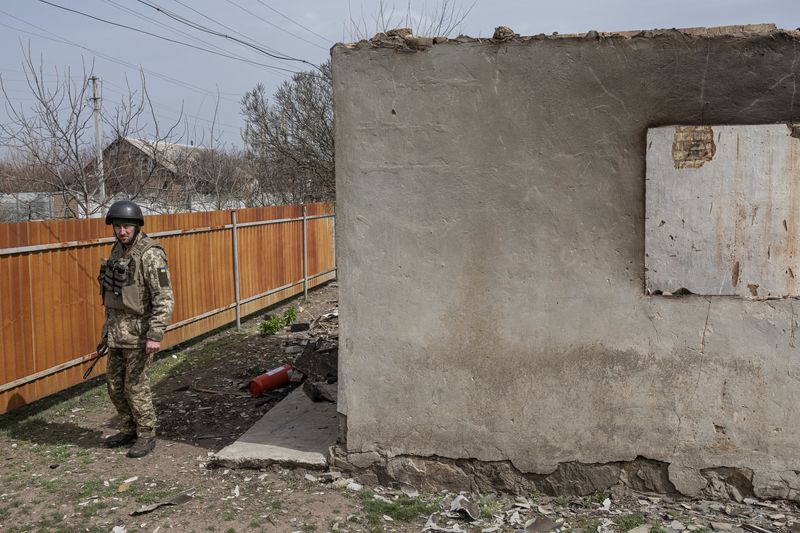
point(178, 75)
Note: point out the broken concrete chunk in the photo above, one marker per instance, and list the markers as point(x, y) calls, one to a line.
point(541, 525)
point(687, 481)
point(399, 32)
point(408, 490)
point(503, 33)
point(432, 525)
point(289, 350)
point(342, 482)
point(320, 391)
point(461, 504)
point(300, 326)
point(418, 42)
point(331, 476)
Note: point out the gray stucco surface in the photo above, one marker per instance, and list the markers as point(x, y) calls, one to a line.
point(490, 226)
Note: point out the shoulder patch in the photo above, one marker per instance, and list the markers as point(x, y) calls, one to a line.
point(163, 277)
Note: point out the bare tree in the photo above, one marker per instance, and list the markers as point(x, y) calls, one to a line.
point(439, 20)
point(53, 139)
point(289, 140)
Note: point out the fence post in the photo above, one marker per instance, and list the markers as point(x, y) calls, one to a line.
point(305, 253)
point(235, 237)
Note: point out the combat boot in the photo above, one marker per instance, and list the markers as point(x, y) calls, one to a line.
point(120, 439)
point(142, 447)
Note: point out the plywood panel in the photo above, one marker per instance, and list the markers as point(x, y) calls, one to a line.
point(723, 210)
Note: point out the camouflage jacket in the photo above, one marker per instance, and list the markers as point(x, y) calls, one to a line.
point(140, 306)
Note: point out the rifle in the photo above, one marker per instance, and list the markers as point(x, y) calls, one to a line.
point(102, 349)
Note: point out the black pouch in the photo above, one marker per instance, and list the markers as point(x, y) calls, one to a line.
point(116, 276)
point(101, 276)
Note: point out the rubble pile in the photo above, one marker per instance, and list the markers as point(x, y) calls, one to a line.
point(620, 510)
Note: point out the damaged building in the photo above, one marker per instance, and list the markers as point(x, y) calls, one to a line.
point(568, 262)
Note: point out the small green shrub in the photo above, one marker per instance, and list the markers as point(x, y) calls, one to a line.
point(629, 521)
point(562, 501)
point(275, 323)
point(290, 315)
point(272, 325)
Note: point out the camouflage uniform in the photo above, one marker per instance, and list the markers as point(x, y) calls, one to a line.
point(137, 295)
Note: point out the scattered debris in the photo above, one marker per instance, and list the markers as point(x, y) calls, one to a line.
point(178, 499)
point(463, 506)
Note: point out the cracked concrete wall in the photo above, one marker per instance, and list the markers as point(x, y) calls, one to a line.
point(490, 227)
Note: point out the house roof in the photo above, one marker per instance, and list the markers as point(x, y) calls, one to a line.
point(169, 155)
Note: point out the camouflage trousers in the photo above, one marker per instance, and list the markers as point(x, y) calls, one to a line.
point(129, 389)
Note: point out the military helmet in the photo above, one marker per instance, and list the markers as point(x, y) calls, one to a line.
point(125, 210)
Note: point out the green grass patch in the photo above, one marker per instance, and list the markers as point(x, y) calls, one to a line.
point(627, 522)
point(491, 508)
point(90, 488)
point(50, 486)
point(599, 496)
point(89, 510)
point(404, 509)
point(585, 523)
point(563, 501)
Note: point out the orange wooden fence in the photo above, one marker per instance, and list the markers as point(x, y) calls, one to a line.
point(51, 315)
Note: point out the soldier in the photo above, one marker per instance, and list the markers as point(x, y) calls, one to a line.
point(136, 292)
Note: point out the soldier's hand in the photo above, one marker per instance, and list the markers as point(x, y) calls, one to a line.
point(152, 346)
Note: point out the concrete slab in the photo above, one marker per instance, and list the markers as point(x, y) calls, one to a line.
point(296, 432)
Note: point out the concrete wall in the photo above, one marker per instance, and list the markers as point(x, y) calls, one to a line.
point(491, 219)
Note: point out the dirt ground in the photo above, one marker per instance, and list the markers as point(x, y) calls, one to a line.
point(56, 474)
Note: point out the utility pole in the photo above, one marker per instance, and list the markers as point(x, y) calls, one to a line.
point(98, 140)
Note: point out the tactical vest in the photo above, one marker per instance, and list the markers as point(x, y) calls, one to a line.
point(122, 277)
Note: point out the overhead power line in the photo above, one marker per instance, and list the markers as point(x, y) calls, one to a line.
point(200, 27)
point(162, 25)
point(218, 23)
point(293, 21)
point(175, 41)
point(62, 40)
point(262, 19)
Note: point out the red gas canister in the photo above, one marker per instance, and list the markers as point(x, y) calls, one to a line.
point(274, 379)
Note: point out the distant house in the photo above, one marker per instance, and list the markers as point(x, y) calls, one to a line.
point(151, 169)
point(169, 177)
